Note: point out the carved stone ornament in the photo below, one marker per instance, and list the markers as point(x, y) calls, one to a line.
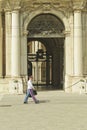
point(46, 25)
point(30, 5)
point(79, 4)
point(46, 5)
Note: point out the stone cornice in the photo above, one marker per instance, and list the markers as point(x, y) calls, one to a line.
point(31, 5)
point(46, 4)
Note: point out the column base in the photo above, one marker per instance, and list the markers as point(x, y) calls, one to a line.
point(75, 84)
point(13, 85)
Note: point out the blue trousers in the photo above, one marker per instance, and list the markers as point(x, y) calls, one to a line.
point(30, 92)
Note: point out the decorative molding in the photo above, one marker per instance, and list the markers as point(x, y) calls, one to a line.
point(85, 5)
point(46, 5)
point(47, 8)
point(79, 4)
point(9, 5)
point(66, 33)
point(46, 25)
point(25, 33)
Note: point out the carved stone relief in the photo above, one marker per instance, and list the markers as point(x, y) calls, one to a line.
point(46, 25)
point(46, 5)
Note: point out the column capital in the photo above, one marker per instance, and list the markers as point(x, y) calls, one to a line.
point(15, 11)
point(77, 11)
point(79, 5)
point(12, 10)
point(66, 33)
point(10, 5)
point(25, 32)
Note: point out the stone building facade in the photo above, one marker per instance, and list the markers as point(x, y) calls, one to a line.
point(47, 39)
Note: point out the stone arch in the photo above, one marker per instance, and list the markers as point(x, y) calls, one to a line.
point(58, 14)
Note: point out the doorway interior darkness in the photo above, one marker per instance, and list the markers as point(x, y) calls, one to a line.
point(52, 62)
point(47, 29)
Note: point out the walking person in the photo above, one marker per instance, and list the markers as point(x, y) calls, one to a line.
point(30, 89)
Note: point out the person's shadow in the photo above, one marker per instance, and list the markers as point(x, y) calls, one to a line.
point(44, 101)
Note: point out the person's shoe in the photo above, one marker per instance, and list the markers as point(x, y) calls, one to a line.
point(25, 102)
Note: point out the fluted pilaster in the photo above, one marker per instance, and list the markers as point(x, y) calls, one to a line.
point(15, 57)
point(78, 63)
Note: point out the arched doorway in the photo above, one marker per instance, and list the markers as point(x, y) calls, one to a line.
point(48, 30)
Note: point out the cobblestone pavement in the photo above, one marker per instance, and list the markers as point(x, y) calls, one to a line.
point(57, 110)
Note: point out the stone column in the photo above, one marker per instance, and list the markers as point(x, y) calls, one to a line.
point(1, 45)
point(40, 72)
point(8, 43)
point(15, 59)
point(33, 44)
point(24, 54)
point(78, 69)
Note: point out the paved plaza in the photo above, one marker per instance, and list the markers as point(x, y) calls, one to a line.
point(57, 110)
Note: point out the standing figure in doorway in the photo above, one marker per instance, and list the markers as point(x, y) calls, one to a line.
point(30, 89)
